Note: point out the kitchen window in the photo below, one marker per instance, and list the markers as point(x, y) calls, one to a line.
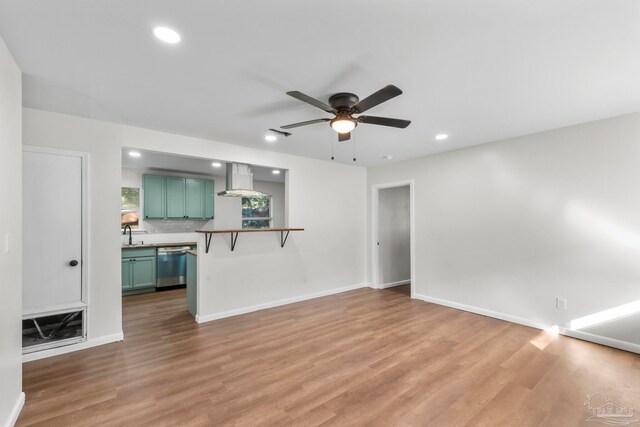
point(130, 207)
point(256, 212)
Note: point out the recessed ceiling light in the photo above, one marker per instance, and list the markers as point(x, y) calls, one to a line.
point(135, 153)
point(167, 35)
point(270, 137)
point(275, 172)
point(216, 164)
point(441, 136)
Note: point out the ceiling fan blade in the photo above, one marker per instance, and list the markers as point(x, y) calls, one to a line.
point(377, 98)
point(384, 121)
point(308, 122)
point(309, 100)
point(342, 137)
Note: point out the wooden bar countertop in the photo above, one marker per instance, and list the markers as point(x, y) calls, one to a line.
point(252, 230)
point(160, 245)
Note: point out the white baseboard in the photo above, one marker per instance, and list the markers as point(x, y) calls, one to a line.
point(392, 284)
point(599, 339)
point(585, 336)
point(15, 412)
point(249, 309)
point(94, 342)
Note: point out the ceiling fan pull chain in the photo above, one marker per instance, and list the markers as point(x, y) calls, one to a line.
point(354, 147)
point(332, 145)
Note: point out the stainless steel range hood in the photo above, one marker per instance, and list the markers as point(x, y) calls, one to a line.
point(240, 181)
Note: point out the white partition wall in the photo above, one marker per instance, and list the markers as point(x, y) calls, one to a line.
point(11, 396)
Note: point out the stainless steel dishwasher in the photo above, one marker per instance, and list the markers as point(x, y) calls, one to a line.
point(172, 266)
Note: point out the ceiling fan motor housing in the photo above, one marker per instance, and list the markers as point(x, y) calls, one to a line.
point(343, 101)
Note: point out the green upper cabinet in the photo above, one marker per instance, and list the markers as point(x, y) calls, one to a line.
point(175, 197)
point(155, 192)
point(195, 198)
point(209, 193)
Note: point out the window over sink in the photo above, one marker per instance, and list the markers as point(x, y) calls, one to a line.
point(256, 212)
point(130, 207)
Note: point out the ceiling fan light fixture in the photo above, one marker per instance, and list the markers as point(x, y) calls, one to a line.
point(343, 124)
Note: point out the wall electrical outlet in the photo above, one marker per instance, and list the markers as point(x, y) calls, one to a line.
point(561, 303)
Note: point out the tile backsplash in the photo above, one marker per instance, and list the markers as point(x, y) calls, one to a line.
point(173, 225)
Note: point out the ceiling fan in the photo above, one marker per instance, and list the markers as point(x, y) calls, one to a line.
point(345, 105)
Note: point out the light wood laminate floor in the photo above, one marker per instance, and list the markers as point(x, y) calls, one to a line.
point(365, 357)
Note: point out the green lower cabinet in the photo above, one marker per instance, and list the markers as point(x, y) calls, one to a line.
point(143, 273)
point(192, 283)
point(126, 275)
point(138, 270)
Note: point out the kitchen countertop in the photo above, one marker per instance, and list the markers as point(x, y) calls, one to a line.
point(160, 245)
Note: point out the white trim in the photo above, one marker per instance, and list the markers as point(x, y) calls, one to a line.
point(15, 412)
point(392, 284)
point(483, 311)
point(94, 342)
point(598, 339)
point(249, 309)
point(375, 213)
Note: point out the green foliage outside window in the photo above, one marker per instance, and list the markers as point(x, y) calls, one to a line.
point(256, 212)
point(130, 207)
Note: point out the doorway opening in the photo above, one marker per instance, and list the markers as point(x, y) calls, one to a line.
point(393, 239)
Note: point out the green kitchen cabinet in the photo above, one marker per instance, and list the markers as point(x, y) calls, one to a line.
point(209, 193)
point(155, 196)
point(192, 283)
point(143, 272)
point(138, 270)
point(175, 197)
point(126, 275)
point(194, 205)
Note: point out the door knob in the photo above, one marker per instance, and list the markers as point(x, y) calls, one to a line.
point(73, 263)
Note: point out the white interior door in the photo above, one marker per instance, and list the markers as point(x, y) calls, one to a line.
point(52, 230)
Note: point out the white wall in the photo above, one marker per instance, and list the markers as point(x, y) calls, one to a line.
point(394, 235)
point(101, 141)
point(325, 198)
point(508, 226)
point(11, 396)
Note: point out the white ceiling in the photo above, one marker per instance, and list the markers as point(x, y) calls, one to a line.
point(191, 165)
point(479, 70)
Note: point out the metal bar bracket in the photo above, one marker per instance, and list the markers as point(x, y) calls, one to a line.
point(207, 241)
point(233, 240)
point(283, 238)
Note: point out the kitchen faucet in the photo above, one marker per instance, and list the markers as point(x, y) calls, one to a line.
point(124, 231)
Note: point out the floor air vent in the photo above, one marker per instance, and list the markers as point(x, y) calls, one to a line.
point(47, 331)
